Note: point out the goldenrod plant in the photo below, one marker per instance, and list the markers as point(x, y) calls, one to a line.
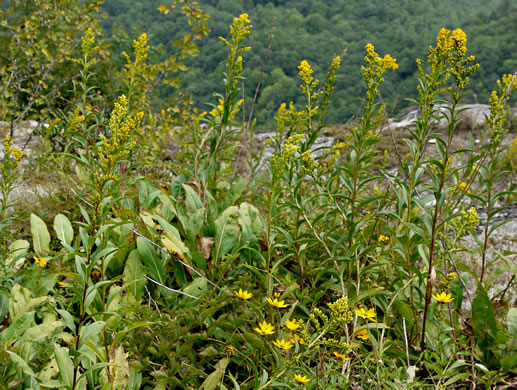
point(329, 269)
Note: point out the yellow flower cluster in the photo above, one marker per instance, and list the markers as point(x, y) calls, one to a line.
point(464, 187)
point(383, 239)
point(384, 63)
point(446, 282)
point(336, 150)
point(87, 42)
point(309, 164)
point(497, 101)
point(467, 221)
point(458, 41)
point(239, 30)
point(11, 159)
point(217, 111)
point(289, 150)
point(306, 72)
point(121, 127)
point(375, 68)
point(471, 217)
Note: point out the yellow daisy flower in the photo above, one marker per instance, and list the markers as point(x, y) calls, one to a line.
point(363, 334)
point(243, 294)
point(42, 262)
point(283, 344)
point(276, 303)
point(443, 297)
point(292, 324)
point(264, 329)
point(301, 378)
point(341, 356)
point(367, 315)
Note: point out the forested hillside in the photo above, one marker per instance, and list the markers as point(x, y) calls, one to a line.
point(319, 30)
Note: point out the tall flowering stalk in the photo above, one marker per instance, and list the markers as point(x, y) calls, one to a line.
point(448, 59)
point(8, 165)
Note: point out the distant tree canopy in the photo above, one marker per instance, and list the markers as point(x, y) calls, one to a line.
point(317, 31)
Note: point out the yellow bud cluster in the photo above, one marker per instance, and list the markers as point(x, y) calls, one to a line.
point(340, 313)
point(309, 164)
point(11, 159)
point(289, 150)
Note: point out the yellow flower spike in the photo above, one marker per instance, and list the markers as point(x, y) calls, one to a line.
point(305, 72)
point(265, 329)
point(301, 378)
point(283, 344)
point(367, 315)
point(363, 334)
point(243, 294)
point(40, 261)
point(341, 356)
point(276, 303)
point(292, 324)
point(443, 297)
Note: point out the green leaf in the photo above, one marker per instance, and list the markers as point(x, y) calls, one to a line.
point(21, 302)
point(152, 260)
point(174, 245)
point(192, 200)
point(405, 311)
point(68, 319)
point(226, 232)
point(234, 194)
point(512, 321)
point(4, 306)
point(192, 223)
point(17, 250)
point(63, 228)
point(134, 275)
point(483, 318)
point(66, 367)
point(250, 222)
point(135, 379)
point(91, 330)
point(197, 288)
point(213, 380)
point(121, 368)
point(21, 363)
point(40, 236)
point(39, 332)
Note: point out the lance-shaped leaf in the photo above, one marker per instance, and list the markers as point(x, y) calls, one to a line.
point(40, 235)
point(227, 232)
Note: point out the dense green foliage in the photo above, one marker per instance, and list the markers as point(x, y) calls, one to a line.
point(317, 30)
point(164, 252)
